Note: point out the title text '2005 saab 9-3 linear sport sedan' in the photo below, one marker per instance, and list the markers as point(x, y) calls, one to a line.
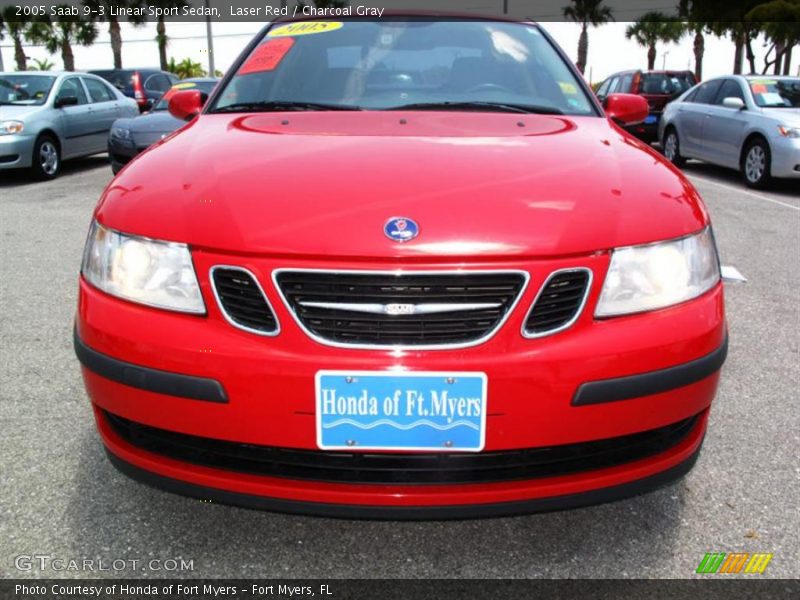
point(404, 269)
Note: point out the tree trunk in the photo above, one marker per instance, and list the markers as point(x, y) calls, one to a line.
point(780, 50)
point(651, 57)
point(66, 54)
point(787, 60)
point(738, 43)
point(161, 36)
point(19, 54)
point(699, 50)
point(751, 57)
point(583, 49)
point(116, 41)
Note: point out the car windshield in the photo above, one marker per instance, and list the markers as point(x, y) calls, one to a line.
point(204, 86)
point(669, 84)
point(398, 64)
point(25, 89)
point(776, 93)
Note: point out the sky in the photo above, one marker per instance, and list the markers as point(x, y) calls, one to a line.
point(609, 51)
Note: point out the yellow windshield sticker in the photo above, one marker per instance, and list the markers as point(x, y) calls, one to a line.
point(305, 28)
point(567, 88)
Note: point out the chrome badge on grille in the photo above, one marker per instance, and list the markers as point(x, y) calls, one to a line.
point(399, 309)
point(401, 229)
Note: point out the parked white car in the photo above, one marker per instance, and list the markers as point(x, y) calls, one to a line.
point(46, 118)
point(750, 123)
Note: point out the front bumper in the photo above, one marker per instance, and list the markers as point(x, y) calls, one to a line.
point(580, 385)
point(785, 157)
point(16, 151)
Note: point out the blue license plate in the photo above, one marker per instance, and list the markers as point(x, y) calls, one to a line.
point(381, 410)
point(651, 119)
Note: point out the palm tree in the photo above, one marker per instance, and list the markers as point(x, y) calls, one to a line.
point(700, 30)
point(103, 9)
point(651, 28)
point(586, 13)
point(15, 27)
point(62, 34)
point(161, 29)
point(41, 65)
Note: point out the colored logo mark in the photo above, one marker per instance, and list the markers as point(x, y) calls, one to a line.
point(734, 562)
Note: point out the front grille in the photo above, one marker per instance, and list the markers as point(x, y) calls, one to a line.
point(559, 302)
point(390, 468)
point(242, 300)
point(397, 309)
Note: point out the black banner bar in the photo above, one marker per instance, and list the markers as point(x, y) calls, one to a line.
point(707, 588)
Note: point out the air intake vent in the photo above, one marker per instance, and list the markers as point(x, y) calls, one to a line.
point(400, 309)
point(559, 302)
point(242, 300)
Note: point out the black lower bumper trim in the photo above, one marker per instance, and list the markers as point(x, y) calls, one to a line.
point(345, 511)
point(654, 382)
point(145, 378)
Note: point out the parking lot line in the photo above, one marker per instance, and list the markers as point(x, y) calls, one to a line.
point(742, 191)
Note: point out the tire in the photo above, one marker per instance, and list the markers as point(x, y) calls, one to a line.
point(46, 162)
point(756, 164)
point(672, 148)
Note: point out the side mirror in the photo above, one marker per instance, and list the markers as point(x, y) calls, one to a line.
point(186, 104)
point(62, 101)
point(626, 109)
point(732, 102)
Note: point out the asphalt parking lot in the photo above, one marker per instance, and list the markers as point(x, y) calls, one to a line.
point(62, 498)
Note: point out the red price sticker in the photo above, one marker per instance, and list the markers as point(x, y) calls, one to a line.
point(267, 56)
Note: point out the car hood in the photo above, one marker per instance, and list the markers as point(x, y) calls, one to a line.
point(156, 122)
point(18, 112)
point(477, 184)
point(787, 116)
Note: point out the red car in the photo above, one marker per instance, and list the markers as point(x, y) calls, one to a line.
point(406, 268)
point(659, 88)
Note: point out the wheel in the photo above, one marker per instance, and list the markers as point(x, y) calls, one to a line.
point(46, 158)
point(756, 163)
point(672, 148)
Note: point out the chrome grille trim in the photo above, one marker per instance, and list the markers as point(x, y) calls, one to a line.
point(578, 312)
point(401, 272)
point(224, 311)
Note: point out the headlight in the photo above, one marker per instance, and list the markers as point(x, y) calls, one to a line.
point(654, 276)
point(150, 272)
point(11, 127)
point(120, 133)
point(790, 132)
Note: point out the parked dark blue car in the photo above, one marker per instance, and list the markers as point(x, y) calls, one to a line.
point(129, 137)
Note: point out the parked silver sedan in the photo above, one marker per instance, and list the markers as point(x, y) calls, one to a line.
point(48, 117)
point(750, 123)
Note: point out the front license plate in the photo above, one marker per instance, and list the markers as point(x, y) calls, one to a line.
point(651, 119)
point(374, 410)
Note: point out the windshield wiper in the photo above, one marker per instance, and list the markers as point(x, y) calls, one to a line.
point(281, 105)
point(479, 105)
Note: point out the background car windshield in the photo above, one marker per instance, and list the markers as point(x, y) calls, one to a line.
point(776, 93)
point(670, 84)
point(380, 65)
point(25, 89)
point(204, 86)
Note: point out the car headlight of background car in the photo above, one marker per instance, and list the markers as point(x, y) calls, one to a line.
point(11, 127)
point(119, 133)
point(653, 276)
point(155, 273)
